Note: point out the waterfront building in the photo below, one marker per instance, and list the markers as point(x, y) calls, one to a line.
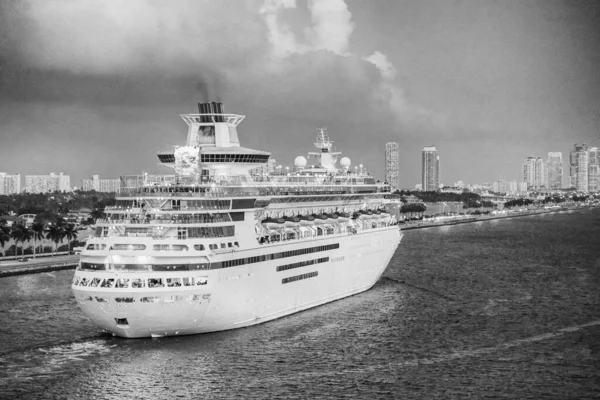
point(459, 184)
point(47, 183)
point(554, 168)
point(502, 186)
point(430, 171)
point(593, 170)
point(392, 165)
point(578, 171)
point(100, 185)
point(521, 187)
point(10, 184)
point(534, 173)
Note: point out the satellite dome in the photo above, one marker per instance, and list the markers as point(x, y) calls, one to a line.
point(300, 162)
point(345, 162)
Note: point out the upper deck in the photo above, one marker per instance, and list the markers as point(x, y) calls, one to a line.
point(257, 186)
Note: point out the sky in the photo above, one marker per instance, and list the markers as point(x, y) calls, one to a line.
point(89, 87)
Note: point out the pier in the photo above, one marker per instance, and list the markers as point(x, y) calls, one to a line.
point(36, 265)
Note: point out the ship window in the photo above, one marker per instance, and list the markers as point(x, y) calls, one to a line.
point(129, 247)
point(229, 244)
point(150, 299)
point(213, 246)
point(95, 282)
point(182, 233)
point(122, 283)
point(236, 244)
point(188, 281)
point(299, 277)
point(75, 280)
point(237, 216)
point(102, 299)
point(96, 246)
point(173, 282)
point(223, 246)
point(201, 281)
point(301, 264)
point(199, 247)
point(83, 282)
point(108, 283)
point(179, 247)
point(138, 283)
point(160, 247)
point(124, 299)
point(155, 282)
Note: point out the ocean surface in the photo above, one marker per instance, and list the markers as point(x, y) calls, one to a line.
point(504, 308)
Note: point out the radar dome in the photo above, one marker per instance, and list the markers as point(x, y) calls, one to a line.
point(300, 162)
point(345, 162)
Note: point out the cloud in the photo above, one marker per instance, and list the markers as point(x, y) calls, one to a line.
point(332, 25)
point(384, 65)
point(112, 36)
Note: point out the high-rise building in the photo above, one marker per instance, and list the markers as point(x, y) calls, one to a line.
point(593, 170)
point(47, 183)
point(10, 184)
point(100, 185)
point(534, 173)
point(554, 168)
point(578, 170)
point(430, 171)
point(392, 165)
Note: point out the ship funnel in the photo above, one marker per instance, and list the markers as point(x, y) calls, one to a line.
point(211, 108)
point(220, 111)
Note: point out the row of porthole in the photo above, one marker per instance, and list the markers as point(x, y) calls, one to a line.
point(146, 299)
point(138, 283)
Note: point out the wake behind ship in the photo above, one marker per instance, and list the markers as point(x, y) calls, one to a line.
point(223, 243)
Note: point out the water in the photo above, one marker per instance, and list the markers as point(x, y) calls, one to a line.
point(504, 308)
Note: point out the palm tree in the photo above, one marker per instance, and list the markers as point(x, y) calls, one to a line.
point(97, 213)
point(38, 233)
point(70, 232)
point(26, 236)
point(17, 234)
point(4, 234)
point(56, 234)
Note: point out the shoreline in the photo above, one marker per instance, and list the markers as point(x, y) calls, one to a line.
point(480, 219)
point(36, 266)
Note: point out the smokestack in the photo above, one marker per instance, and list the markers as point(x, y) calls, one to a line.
point(205, 109)
point(213, 109)
point(200, 112)
point(220, 111)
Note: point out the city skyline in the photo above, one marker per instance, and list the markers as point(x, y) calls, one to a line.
point(490, 83)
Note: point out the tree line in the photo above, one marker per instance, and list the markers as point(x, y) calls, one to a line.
point(56, 203)
point(469, 199)
point(19, 233)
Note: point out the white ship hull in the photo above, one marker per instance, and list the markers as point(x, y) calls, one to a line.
point(244, 295)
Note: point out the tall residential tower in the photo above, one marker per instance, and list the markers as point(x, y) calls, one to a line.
point(392, 166)
point(430, 171)
point(554, 168)
point(534, 173)
point(593, 170)
point(579, 167)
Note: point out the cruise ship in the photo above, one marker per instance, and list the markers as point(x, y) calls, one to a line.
point(228, 240)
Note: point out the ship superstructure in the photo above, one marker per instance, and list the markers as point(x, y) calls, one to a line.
point(217, 246)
